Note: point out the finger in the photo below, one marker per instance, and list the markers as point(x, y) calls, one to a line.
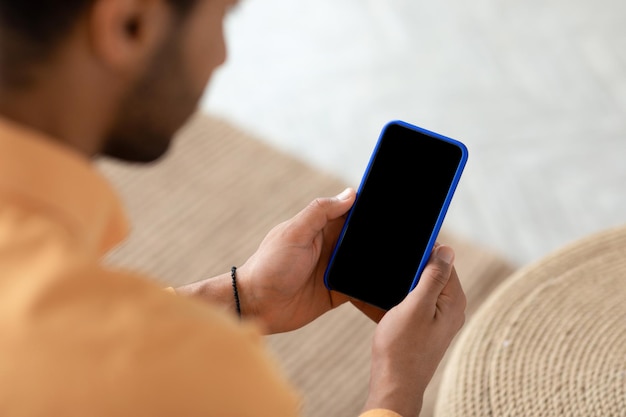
point(453, 287)
point(374, 313)
point(337, 299)
point(436, 274)
point(454, 290)
point(320, 211)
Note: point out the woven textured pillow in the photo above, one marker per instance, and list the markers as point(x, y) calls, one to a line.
point(549, 342)
point(208, 205)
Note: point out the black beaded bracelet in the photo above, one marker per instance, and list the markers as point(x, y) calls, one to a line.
point(233, 275)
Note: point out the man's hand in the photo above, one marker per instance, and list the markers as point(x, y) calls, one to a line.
point(411, 339)
point(282, 284)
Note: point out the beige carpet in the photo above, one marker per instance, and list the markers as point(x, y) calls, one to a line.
point(207, 206)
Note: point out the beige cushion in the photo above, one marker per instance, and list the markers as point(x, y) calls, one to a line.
point(551, 341)
point(207, 206)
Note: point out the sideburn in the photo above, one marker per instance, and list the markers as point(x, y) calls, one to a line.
point(155, 108)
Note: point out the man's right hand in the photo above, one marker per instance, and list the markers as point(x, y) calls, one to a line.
point(411, 339)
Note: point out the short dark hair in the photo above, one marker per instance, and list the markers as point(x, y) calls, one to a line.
point(30, 30)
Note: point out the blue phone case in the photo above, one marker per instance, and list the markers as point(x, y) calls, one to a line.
point(444, 208)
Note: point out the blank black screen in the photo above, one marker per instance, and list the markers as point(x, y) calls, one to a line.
point(394, 216)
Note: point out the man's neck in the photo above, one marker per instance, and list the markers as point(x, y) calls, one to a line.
point(40, 112)
point(70, 103)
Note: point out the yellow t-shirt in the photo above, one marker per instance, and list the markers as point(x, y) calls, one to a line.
point(81, 339)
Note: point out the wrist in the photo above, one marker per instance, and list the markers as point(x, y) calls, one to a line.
point(398, 403)
point(248, 302)
point(389, 391)
point(233, 277)
point(244, 294)
point(219, 291)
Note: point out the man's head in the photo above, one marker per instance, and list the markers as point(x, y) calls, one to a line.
point(126, 73)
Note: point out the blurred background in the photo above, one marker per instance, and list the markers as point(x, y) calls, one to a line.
point(535, 88)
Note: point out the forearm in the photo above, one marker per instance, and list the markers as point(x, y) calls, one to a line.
point(217, 291)
point(379, 412)
point(391, 389)
point(405, 404)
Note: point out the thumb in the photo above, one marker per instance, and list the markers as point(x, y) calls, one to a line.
point(320, 211)
point(436, 274)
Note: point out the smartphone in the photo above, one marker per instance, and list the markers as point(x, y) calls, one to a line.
point(400, 206)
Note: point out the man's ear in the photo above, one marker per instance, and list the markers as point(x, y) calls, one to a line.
point(125, 33)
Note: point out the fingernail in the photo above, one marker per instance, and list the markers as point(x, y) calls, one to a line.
point(446, 254)
point(345, 194)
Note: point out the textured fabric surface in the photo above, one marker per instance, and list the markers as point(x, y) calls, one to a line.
point(208, 205)
point(551, 341)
